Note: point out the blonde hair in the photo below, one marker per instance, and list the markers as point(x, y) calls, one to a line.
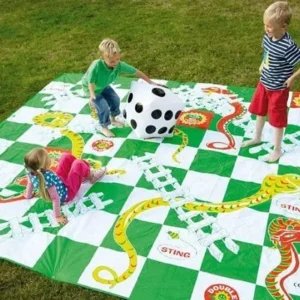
point(279, 12)
point(109, 47)
point(37, 161)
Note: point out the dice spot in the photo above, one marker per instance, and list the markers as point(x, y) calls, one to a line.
point(150, 129)
point(158, 92)
point(171, 129)
point(168, 115)
point(130, 98)
point(133, 124)
point(162, 130)
point(156, 114)
point(177, 114)
point(139, 107)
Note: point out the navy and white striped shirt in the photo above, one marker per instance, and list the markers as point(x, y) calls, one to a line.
point(280, 58)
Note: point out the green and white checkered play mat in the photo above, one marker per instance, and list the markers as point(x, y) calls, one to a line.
point(193, 216)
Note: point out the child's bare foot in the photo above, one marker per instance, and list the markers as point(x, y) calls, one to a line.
point(105, 131)
point(117, 123)
point(275, 155)
point(95, 175)
point(250, 143)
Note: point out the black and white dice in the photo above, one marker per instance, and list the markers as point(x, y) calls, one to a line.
point(151, 110)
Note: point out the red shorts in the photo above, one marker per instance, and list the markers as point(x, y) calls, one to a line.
point(271, 103)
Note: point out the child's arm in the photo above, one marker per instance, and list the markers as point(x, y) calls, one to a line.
point(56, 205)
point(261, 67)
point(92, 91)
point(143, 76)
point(292, 79)
point(29, 189)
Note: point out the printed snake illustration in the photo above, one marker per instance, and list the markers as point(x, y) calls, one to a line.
point(271, 186)
point(283, 233)
point(222, 126)
point(183, 144)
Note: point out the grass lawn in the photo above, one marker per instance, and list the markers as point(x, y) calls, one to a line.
point(212, 41)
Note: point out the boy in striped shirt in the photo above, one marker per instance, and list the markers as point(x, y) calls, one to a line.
point(281, 55)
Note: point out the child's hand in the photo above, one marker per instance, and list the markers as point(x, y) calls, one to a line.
point(289, 82)
point(62, 220)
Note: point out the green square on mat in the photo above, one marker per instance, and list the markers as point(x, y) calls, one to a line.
point(135, 147)
point(180, 282)
point(11, 130)
point(104, 160)
point(262, 293)
point(124, 82)
point(16, 152)
point(136, 232)
point(282, 170)
point(241, 266)
point(122, 132)
point(35, 101)
point(63, 255)
point(213, 125)
point(243, 92)
point(85, 110)
point(213, 162)
point(119, 193)
point(194, 136)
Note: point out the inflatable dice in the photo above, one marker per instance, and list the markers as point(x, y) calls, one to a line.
point(151, 110)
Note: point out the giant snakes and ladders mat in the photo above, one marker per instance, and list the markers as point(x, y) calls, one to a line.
point(193, 216)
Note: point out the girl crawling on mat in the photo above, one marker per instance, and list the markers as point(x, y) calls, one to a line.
point(62, 186)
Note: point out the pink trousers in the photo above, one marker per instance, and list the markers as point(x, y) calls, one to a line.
point(72, 172)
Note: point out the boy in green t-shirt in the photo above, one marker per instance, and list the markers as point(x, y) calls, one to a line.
point(101, 73)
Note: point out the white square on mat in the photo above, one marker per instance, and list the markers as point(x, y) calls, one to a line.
point(83, 123)
point(252, 170)
point(245, 220)
point(132, 175)
point(184, 251)
point(154, 215)
point(267, 134)
point(220, 141)
point(291, 158)
point(117, 143)
point(294, 116)
point(69, 103)
point(8, 172)
point(15, 209)
point(206, 187)
point(4, 144)
point(39, 135)
point(165, 152)
point(245, 290)
point(117, 261)
point(25, 114)
point(26, 250)
point(90, 228)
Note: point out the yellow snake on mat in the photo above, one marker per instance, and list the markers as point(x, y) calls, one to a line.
point(60, 120)
point(183, 144)
point(271, 186)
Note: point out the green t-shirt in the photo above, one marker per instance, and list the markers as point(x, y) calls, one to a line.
point(99, 74)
